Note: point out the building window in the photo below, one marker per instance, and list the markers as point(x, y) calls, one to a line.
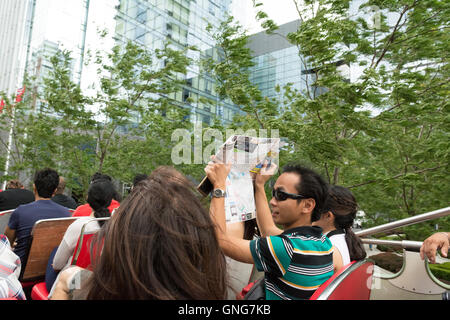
point(176, 33)
point(141, 15)
point(208, 86)
point(219, 110)
point(180, 11)
point(212, 7)
point(140, 34)
point(185, 95)
point(207, 119)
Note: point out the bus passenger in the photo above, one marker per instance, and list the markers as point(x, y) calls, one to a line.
point(337, 225)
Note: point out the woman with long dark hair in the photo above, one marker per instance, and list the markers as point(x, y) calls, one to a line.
point(337, 224)
point(159, 245)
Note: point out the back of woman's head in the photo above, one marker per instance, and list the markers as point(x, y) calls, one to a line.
point(100, 194)
point(160, 244)
point(344, 207)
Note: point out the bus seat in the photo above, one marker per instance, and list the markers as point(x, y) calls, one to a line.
point(39, 292)
point(353, 282)
point(45, 236)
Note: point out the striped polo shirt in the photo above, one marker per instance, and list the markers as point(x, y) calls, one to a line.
point(295, 262)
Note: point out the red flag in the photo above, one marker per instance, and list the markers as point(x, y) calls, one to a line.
point(2, 104)
point(20, 93)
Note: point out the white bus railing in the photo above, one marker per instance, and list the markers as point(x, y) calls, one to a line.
point(412, 245)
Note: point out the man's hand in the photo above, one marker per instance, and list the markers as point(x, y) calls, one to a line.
point(432, 244)
point(265, 174)
point(217, 173)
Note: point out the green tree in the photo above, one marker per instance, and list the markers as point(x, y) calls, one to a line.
point(232, 74)
point(123, 128)
point(113, 129)
point(384, 134)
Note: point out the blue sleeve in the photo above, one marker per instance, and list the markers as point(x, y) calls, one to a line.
point(13, 222)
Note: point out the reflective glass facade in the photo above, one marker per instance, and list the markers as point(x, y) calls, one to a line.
point(277, 68)
point(182, 22)
point(277, 62)
point(74, 25)
point(15, 17)
point(57, 25)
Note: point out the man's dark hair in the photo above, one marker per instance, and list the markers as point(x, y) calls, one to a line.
point(138, 178)
point(98, 176)
point(311, 185)
point(46, 182)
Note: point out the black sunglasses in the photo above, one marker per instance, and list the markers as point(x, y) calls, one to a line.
point(280, 195)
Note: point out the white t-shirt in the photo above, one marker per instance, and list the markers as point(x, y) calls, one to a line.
point(338, 241)
point(63, 256)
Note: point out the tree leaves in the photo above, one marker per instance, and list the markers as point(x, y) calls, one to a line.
point(381, 130)
point(384, 134)
point(123, 129)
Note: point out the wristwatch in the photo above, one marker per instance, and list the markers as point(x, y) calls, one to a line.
point(218, 193)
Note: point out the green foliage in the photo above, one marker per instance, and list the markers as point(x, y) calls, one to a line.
point(232, 75)
point(122, 129)
point(441, 271)
point(388, 261)
point(383, 135)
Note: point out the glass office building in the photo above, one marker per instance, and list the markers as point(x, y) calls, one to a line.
point(180, 22)
point(74, 24)
point(15, 20)
point(57, 25)
point(34, 30)
point(277, 61)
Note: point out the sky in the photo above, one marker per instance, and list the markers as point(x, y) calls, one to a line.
point(280, 11)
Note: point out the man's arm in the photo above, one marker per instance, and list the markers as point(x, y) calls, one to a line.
point(12, 226)
point(263, 213)
point(236, 229)
point(234, 247)
point(11, 235)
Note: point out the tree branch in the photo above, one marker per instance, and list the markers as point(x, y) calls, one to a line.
point(391, 38)
point(328, 174)
point(336, 175)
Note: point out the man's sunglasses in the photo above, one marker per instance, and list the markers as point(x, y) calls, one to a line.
point(280, 195)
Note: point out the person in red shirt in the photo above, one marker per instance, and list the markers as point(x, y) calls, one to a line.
point(85, 210)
